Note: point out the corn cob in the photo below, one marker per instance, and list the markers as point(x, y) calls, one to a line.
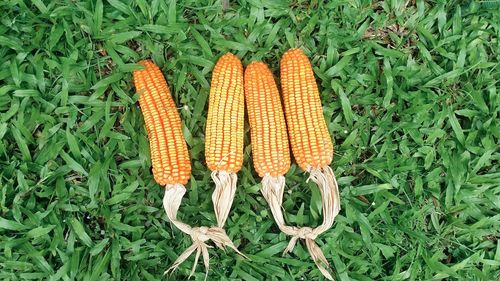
point(224, 132)
point(309, 137)
point(270, 149)
point(311, 144)
point(169, 154)
point(170, 158)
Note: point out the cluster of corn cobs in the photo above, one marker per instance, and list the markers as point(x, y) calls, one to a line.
point(300, 125)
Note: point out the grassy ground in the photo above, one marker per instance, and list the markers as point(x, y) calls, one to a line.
point(410, 93)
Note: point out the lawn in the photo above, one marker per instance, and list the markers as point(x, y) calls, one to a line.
point(410, 92)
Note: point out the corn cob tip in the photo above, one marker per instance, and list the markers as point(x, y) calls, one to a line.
point(230, 57)
point(293, 52)
point(256, 63)
point(147, 63)
point(255, 67)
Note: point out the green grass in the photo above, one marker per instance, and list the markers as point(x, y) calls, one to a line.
point(410, 93)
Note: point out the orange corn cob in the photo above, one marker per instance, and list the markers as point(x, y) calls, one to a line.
point(224, 131)
point(270, 150)
point(309, 137)
point(169, 154)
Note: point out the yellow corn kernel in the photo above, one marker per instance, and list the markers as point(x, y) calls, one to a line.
point(224, 131)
